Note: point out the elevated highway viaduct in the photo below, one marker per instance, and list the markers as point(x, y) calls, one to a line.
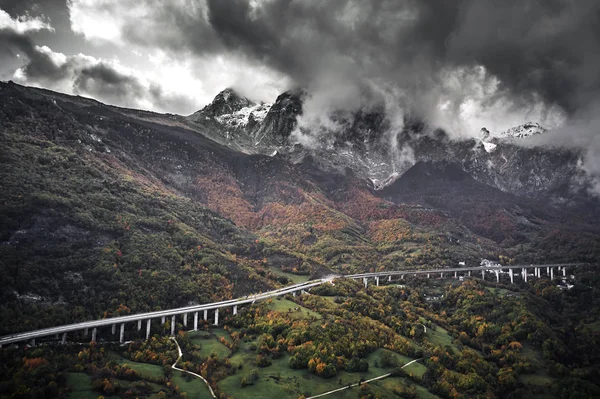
point(191, 314)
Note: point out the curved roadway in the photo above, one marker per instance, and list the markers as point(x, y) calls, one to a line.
point(24, 336)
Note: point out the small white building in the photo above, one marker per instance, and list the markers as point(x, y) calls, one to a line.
point(489, 263)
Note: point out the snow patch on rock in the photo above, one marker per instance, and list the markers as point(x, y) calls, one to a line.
point(489, 147)
point(526, 130)
point(240, 118)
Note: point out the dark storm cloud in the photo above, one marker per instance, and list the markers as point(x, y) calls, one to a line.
point(173, 27)
point(549, 48)
point(19, 7)
point(103, 80)
point(39, 65)
point(537, 49)
point(85, 75)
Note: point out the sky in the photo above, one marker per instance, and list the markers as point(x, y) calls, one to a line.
point(458, 64)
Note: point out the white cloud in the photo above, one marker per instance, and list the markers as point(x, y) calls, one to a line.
point(103, 20)
point(57, 58)
point(24, 23)
point(107, 80)
point(145, 26)
point(469, 98)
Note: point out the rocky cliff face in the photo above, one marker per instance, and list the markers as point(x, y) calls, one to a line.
point(280, 121)
point(366, 143)
point(118, 195)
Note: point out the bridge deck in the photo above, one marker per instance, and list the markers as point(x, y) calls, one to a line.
point(458, 269)
point(24, 336)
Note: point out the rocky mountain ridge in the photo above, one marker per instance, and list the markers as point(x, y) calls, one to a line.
point(128, 200)
point(365, 143)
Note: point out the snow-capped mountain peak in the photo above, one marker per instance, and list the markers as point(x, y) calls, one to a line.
point(251, 114)
point(232, 110)
point(227, 101)
point(518, 132)
point(526, 130)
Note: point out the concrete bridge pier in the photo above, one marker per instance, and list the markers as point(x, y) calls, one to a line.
point(427, 275)
point(173, 320)
point(196, 321)
point(162, 320)
point(469, 273)
point(547, 271)
point(139, 325)
point(365, 281)
point(441, 275)
point(94, 331)
point(551, 273)
point(185, 319)
point(148, 329)
point(216, 317)
point(497, 276)
point(85, 332)
point(390, 278)
point(401, 277)
point(455, 274)
point(564, 270)
point(64, 339)
point(122, 333)
point(114, 329)
point(234, 310)
point(377, 281)
point(483, 274)
point(512, 279)
point(524, 273)
point(294, 293)
point(205, 314)
point(32, 342)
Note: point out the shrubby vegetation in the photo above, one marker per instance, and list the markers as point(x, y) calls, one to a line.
point(108, 212)
point(481, 340)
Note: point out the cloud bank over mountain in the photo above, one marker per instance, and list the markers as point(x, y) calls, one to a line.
point(457, 64)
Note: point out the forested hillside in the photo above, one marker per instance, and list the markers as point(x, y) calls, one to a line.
point(109, 211)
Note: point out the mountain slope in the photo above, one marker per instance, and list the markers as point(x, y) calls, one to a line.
point(366, 142)
point(105, 199)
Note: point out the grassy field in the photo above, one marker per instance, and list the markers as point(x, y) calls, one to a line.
point(331, 300)
point(294, 277)
point(278, 380)
point(385, 388)
point(416, 368)
point(81, 386)
point(193, 386)
point(145, 369)
point(536, 380)
point(212, 344)
point(499, 291)
point(540, 378)
point(287, 307)
point(594, 326)
point(440, 336)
